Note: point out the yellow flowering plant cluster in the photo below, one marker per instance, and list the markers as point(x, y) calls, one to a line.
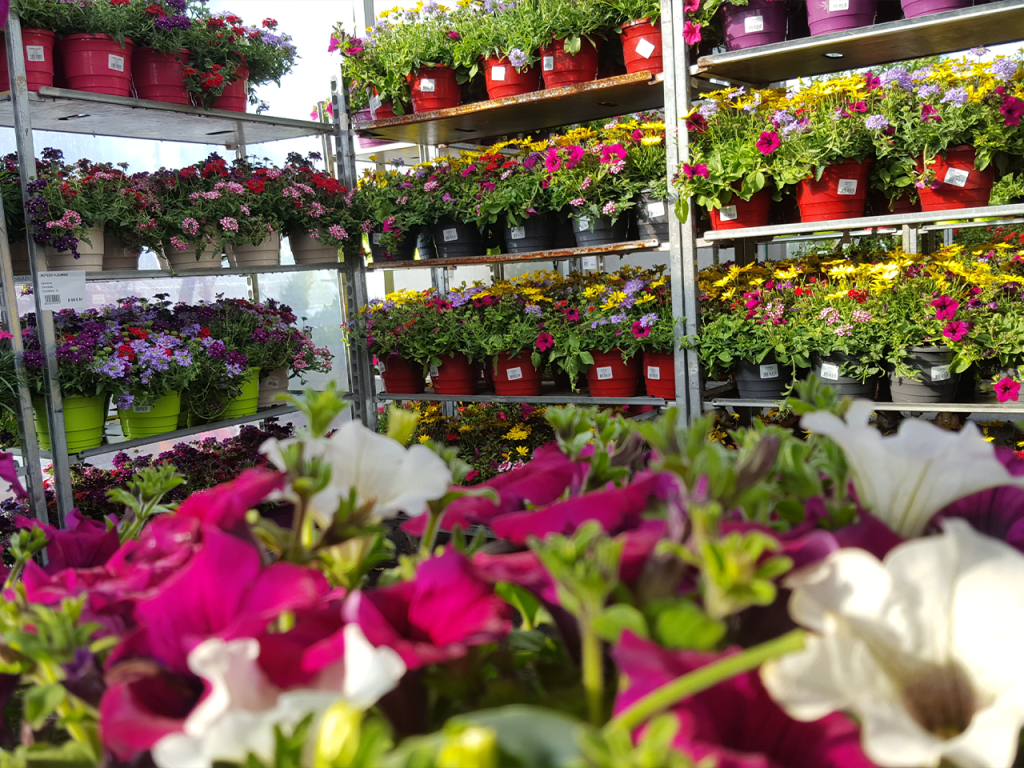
point(871, 307)
point(899, 119)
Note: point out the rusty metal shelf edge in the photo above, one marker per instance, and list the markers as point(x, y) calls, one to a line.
point(512, 258)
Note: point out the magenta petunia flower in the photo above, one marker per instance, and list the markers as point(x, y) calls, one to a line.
point(571, 315)
point(612, 153)
point(735, 724)
point(1012, 109)
point(545, 341)
point(1007, 389)
point(691, 6)
point(956, 330)
point(700, 169)
point(691, 33)
point(945, 307)
point(85, 544)
point(224, 506)
point(930, 114)
point(768, 142)
point(872, 81)
point(573, 155)
point(639, 331)
point(551, 160)
point(435, 617)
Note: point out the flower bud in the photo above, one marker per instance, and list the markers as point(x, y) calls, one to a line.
point(474, 747)
point(338, 739)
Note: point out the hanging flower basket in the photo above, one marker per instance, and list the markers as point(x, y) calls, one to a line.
point(641, 46)
point(98, 64)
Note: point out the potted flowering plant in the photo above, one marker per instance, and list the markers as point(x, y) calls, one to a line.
point(647, 156)
point(503, 41)
point(97, 55)
point(127, 211)
point(453, 189)
point(390, 330)
point(385, 90)
point(571, 30)
point(523, 203)
point(41, 22)
point(594, 183)
point(63, 217)
point(442, 340)
point(159, 61)
point(393, 215)
point(639, 24)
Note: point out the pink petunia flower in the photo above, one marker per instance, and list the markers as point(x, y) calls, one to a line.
point(1007, 389)
point(956, 330)
point(930, 114)
point(945, 307)
point(768, 142)
point(1012, 109)
point(639, 331)
point(545, 341)
point(691, 33)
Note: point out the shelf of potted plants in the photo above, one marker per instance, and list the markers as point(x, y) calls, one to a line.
point(903, 407)
point(912, 38)
point(548, 399)
point(226, 271)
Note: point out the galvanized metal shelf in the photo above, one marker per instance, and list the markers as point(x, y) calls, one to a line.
point(530, 112)
point(67, 111)
point(1008, 408)
point(552, 398)
point(150, 274)
point(960, 30)
point(867, 222)
point(631, 246)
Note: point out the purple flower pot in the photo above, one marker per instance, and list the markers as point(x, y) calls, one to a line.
point(915, 8)
point(363, 143)
point(824, 16)
point(761, 22)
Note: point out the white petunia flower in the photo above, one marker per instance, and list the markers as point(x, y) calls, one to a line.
point(904, 480)
point(238, 715)
point(385, 475)
point(923, 648)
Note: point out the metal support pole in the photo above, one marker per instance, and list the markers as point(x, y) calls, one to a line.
point(37, 261)
point(682, 246)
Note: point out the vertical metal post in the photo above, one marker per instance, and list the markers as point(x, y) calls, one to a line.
point(37, 261)
point(682, 245)
point(352, 275)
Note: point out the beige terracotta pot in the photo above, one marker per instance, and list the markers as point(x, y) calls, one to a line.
point(116, 255)
point(308, 250)
point(90, 255)
point(273, 384)
point(266, 254)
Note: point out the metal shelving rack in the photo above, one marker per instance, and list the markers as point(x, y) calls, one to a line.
point(941, 33)
point(68, 111)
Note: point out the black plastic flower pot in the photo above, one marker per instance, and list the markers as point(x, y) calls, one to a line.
point(829, 369)
point(536, 233)
point(591, 231)
point(565, 237)
point(404, 251)
point(934, 382)
point(652, 218)
point(766, 380)
point(457, 239)
point(425, 245)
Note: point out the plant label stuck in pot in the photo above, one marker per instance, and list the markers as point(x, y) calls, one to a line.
point(656, 208)
point(377, 238)
point(115, 63)
point(272, 381)
point(451, 235)
point(518, 233)
point(604, 372)
point(753, 24)
point(847, 187)
point(141, 408)
point(514, 374)
point(770, 371)
point(838, 5)
point(549, 63)
point(427, 85)
point(654, 372)
point(497, 73)
point(957, 177)
point(35, 53)
point(644, 48)
point(433, 370)
point(830, 371)
point(940, 373)
point(728, 213)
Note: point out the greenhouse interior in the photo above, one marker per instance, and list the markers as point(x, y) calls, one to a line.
point(512, 384)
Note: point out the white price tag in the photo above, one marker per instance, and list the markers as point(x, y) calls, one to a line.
point(728, 213)
point(518, 233)
point(653, 373)
point(272, 381)
point(655, 208)
point(62, 290)
point(770, 371)
point(514, 374)
point(604, 372)
point(957, 177)
point(644, 48)
point(590, 262)
point(830, 371)
point(838, 5)
point(433, 370)
point(497, 73)
point(940, 373)
point(549, 63)
point(381, 366)
point(142, 408)
point(753, 24)
point(376, 238)
point(35, 53)
point(426, 85)
point(115, 62)
point(582, 224)
point(374, 106)
point(847, 187)
point(450, 235)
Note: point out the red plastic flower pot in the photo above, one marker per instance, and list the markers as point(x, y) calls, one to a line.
point(98, 64)
point(957, 183)
point(741, 213)
point(505, 80)
point(39, 59)
point(641, 46)
point(841, 193)
point(434, 88)
point(879, 204)
point(454, 376)
point(824, 16)
point(560, 68)
point(915, 8)
point(609, 376)
point(660, 374)
point(516, 375)
point(161, 76)
point(401, 377)
point(235, 97)
point(760, 22)
point(381, 110)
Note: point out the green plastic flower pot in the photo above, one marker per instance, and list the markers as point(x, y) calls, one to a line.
point(150, 420)
point(246, 403)
point(83, 422)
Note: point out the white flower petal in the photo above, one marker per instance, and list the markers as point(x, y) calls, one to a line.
point(369, 672)
point(904, 480)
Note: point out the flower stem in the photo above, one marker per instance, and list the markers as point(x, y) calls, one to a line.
point(593, 672)
point(430, 534)
point(700, 680)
